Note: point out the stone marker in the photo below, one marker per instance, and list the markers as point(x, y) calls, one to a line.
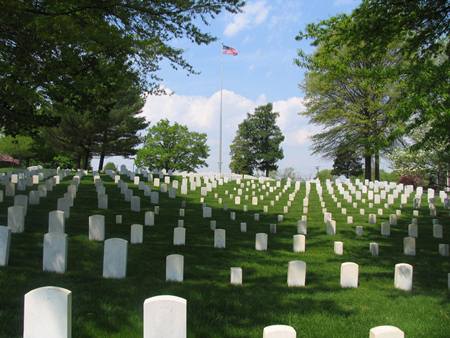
point(154, 197)
point(386, 331)
point(16, 219)
point(96, 228)
point(149, 218)
point(339, 248)
point(236, 276)
point(63, 204)
point(102, 201)
point(118, 219)
point(179, 236)
point(5, 243)
point(302, 227)
point(136, 204)
point(385, 229)
point(299, 243)
point(349, 275)
point(359, 230)
point(55, 252)
point(137, 234)
point(331, 227)
point(443, 249)
point(296, 273)
point(261, 242)
point(403, 278)
point(34, 197)
point(56, 221)
point(273, 228)
point(212, 224)
point(174, 268)
point(219, 238)
point(22, 200)
point(115, 258)
point(48, 313)
point(409, 246)
point(165, 317)
point(279, 331)
point(374, 249)
point(413, 230)
point(243, 227)
point(437, 231)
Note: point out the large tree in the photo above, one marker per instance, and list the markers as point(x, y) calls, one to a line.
point(256, 145)
point(173, 147)
point(349, 94)
point(35, 38)
point(347, 162)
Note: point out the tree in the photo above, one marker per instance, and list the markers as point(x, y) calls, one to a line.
point(98, 102)
point(110, 166)
point(173, 147)
point(417, 33)
point(347, 163)
point(256, 145)
point(349, 94)
point(19, 147)
point(36, 36)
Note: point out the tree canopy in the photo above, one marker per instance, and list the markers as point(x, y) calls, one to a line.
point(40, 40)
point(173, 147)
point(256, 145)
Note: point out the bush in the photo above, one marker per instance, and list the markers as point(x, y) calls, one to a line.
point(415, 180)
point(324, 174)
point(109, 166)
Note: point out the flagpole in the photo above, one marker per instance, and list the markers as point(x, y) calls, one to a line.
point(220, 115)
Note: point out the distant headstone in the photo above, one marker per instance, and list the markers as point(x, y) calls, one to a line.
point(97, 228)
point(174, 268)
point(5, 243)
point(296, 273)
point(349, 275)
point(403, 278)
point(137, 234)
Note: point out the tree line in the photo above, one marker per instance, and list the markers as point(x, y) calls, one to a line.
point(74, 74)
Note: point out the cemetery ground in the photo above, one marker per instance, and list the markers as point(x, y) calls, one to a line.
point(215, 308)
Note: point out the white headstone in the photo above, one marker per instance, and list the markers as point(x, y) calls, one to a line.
point(48, 313)
point(137, 234)
point(296, 273)
point(16, 219)
point(165, 317)
point(409, 246)
point(403, 278)
point(236, 276)
point(174, 268)
point(55, 252)
point(115, 258)
point(299, 243)
point(135, 203)
point(349, 275)
point(339, 248)
point(97, 228)
point(302, 227)
point(5, 242)
point(374, 249)
point(261, 242)
point(179, 236)
point(219, 238)
point(56, 221)
point(386, 331)
point(279, 331)
point(149, 218)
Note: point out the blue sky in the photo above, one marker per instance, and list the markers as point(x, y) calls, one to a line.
point(264, 34)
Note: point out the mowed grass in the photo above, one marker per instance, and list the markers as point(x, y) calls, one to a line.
point(114, 308)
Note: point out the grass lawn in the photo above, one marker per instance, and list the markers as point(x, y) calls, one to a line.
point(114, 308)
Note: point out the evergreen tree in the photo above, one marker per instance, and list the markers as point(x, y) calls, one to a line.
point(347, 162)
point(256, 145)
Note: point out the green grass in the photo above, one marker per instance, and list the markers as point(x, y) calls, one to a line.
point(114, 308)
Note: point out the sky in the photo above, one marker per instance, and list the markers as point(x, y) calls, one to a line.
point(263, 71)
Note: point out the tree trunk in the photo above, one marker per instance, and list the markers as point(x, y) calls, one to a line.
point(377, 166)
point(102, 159)
point(86, 160)
point(368, 167)
point(267, 172)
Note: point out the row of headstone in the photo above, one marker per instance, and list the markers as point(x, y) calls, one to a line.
point(48, 313)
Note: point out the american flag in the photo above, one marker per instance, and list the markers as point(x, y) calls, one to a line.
point(229, 50)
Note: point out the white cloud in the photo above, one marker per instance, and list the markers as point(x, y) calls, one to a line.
point(201, 113)
point(253, 14)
